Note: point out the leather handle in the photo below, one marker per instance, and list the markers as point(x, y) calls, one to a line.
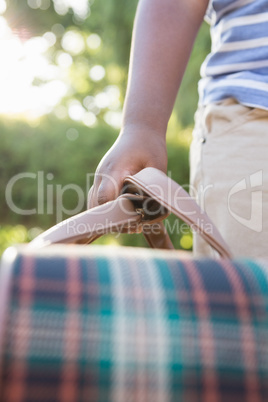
point(115, 216)
point(175, 199)
point(121, 215)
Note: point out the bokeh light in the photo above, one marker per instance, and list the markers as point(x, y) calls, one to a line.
point(73, 42)
point(3, 6)
point(81, 8)
point(38, 72)
point(97, 73)
point(89, 119)
point(64, 60)
point(22, 62)
point(72, 134)
point(93, 41)
point(114, 119)
point(76, 111)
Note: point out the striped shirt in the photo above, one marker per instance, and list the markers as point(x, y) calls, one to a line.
point(237, 66)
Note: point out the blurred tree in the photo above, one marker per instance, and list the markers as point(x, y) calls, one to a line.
point(92, 47)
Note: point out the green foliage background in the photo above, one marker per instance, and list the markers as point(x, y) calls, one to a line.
point(43, 146)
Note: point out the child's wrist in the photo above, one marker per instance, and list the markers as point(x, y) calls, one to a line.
point(143, 130)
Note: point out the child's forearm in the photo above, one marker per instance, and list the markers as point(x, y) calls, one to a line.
point(163, 36)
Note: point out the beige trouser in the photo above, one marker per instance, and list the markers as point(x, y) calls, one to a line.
point(229, 175)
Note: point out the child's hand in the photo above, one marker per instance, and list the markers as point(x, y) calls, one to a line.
point(135, 149)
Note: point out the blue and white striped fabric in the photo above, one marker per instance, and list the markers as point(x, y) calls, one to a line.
point(237, 66)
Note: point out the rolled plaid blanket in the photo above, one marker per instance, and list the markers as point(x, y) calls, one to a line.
point(132, 325)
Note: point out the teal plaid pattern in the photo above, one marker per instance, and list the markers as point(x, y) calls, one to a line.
point(134, 325)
